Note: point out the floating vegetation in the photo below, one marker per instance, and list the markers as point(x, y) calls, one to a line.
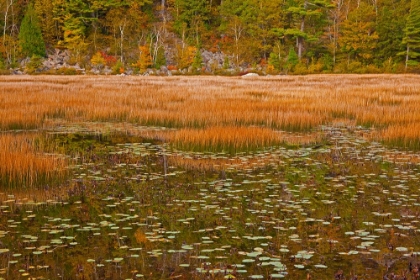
point(284, 216)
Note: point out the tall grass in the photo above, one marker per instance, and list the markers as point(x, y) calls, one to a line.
point(25, 164)
point(229, 139)
point(389, 103)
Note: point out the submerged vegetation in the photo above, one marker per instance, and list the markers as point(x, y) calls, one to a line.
point(213, 178)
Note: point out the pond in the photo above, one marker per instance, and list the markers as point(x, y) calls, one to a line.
point(133, 208)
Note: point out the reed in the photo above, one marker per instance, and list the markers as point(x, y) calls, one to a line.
point(233, 139)
point(196, 105)
point(25, 163)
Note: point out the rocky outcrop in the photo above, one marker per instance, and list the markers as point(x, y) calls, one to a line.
point(60, 59)
point(213, 61)
point(57, 60)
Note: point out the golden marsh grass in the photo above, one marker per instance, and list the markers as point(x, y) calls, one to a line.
point(24, 162)
point(207, 112)
point(289, 103)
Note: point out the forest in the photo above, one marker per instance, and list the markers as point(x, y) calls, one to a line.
point(272, 36)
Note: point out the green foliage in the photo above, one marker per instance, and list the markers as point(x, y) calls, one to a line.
point(34, 64)
point(300, 69)
point(274, 60)
point(301, 13)
point(190, 19)
point(359, 38)
point(324, 33)
point(66, 71)
point(327, 63)
point(198, 60)
point(74, 33)
point(226, 63)
point(118, 68)
point(292, 59)
point(30, 37)
point(2, 64)
point(160, 59)
point(412, 34)
point(390, 29)
point(51, 31)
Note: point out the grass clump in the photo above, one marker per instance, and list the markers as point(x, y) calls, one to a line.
point(26, 162)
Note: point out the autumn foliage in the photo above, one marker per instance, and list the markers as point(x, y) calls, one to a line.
point(145, 59)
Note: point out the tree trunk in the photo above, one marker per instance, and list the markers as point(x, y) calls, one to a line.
point(121, 42)
point(122, 27)
point(300, 39)
point(6, 13)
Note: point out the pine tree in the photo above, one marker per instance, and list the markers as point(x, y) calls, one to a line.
point(30, 36)
point(358, 34)
point(390, 28)
point(412, 35)
point(292, 59)
point(300, 12)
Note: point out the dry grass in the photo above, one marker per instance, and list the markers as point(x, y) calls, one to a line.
point(216, 108)
point(24, 163)
point(231, 139)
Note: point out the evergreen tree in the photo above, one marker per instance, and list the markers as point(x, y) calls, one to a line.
point(30, 36)
point(47, 22)
point(300, 13)
point(412, 35)
point(390, 28)
point(358, 34)
point(292, 59)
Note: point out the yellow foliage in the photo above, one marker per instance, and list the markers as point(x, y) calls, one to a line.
point(185, 56)
point(271, 69)
point(98, 60)
point(145, 58)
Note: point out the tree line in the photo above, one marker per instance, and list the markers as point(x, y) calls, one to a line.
point(295, 36)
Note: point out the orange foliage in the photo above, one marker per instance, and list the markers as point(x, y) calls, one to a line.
point(145, 59)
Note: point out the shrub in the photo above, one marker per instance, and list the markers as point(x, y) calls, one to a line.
point(33, 65)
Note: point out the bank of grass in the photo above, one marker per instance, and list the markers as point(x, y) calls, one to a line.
point(26, 163)
point(197, 105)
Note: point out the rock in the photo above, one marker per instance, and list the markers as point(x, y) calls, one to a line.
point(149, 72)
point(250, 75)
point(107, 70)
point(213, 61)
point(164, 70)
point(95, 71)
point(17, 72)
point(24, 62)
